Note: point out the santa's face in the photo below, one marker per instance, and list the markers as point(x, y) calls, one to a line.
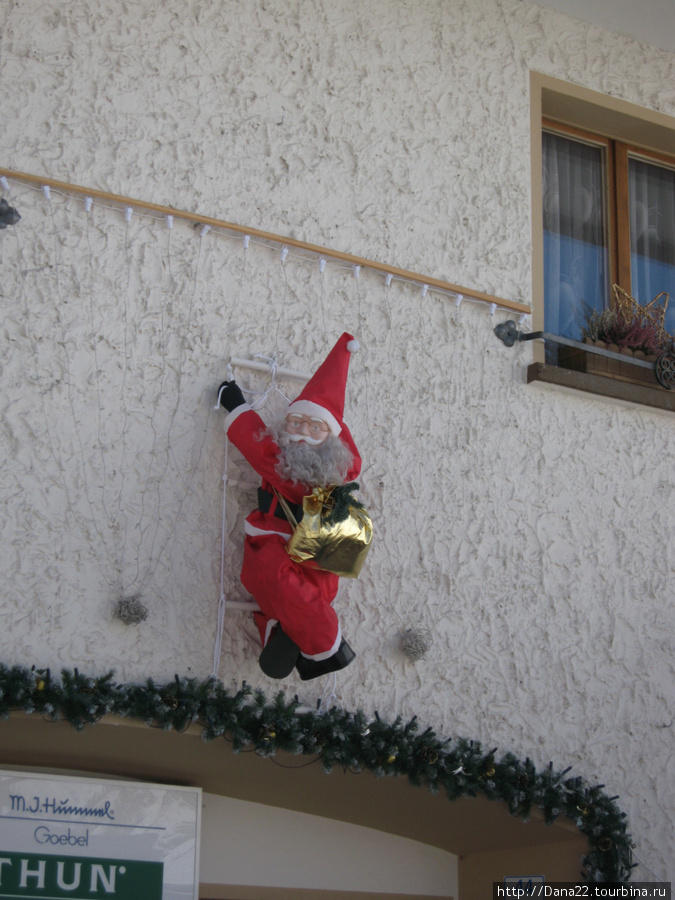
point(305, 429)
point(309, 452)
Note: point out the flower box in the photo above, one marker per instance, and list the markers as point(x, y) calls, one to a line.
point(592, 363)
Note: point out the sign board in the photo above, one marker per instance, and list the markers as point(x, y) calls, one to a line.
point(88, 838)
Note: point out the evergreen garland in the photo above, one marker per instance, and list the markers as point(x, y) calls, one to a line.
point(343, 499)
point(352, 741)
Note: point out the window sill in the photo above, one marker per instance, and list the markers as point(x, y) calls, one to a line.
point(603, 386)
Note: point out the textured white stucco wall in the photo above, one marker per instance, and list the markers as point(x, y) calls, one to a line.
point(529, 530)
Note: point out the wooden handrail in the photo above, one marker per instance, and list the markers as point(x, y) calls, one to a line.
point(404, 274)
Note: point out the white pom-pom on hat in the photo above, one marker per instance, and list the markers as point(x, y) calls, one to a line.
point(353, 346)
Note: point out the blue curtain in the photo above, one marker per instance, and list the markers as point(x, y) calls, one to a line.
point(652, 233)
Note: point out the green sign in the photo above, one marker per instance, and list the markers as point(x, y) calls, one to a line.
point(33, 875)
point(63, 836)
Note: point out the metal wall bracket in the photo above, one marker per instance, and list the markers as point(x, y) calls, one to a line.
point(508, 332)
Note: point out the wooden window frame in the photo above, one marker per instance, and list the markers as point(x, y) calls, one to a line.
point(616, 155)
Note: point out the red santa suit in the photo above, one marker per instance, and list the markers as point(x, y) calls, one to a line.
point(298, 597)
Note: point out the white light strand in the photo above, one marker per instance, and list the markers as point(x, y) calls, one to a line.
point(88, 201)
point(328, 696)
point(335, 263)
point(645, 866)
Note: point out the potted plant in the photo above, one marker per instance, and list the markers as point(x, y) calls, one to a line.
point(626, 328)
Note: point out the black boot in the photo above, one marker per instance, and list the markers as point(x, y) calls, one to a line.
point(279, 655)
point(312, 668)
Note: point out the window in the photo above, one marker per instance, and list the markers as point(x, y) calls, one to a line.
point(608, 218)
point(603, 192)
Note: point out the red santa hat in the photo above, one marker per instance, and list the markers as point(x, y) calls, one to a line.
point(323, 397)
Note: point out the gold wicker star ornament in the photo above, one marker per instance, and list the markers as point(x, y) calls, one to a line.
point(654, 311)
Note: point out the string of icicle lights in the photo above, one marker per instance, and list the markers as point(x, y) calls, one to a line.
point(287, 247)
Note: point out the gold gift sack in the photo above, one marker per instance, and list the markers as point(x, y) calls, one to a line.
point(336, 539)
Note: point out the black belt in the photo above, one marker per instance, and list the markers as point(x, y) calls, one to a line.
point(265, 499)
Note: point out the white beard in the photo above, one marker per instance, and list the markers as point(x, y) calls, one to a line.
point(303, 462)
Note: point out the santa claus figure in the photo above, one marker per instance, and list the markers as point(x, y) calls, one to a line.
point(310, 447)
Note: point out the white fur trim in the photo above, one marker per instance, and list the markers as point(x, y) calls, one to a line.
point(309, 408)
point(353, 346)
point(252, 531)
point(236, 412)
point(268, 629)
point(328, 653)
